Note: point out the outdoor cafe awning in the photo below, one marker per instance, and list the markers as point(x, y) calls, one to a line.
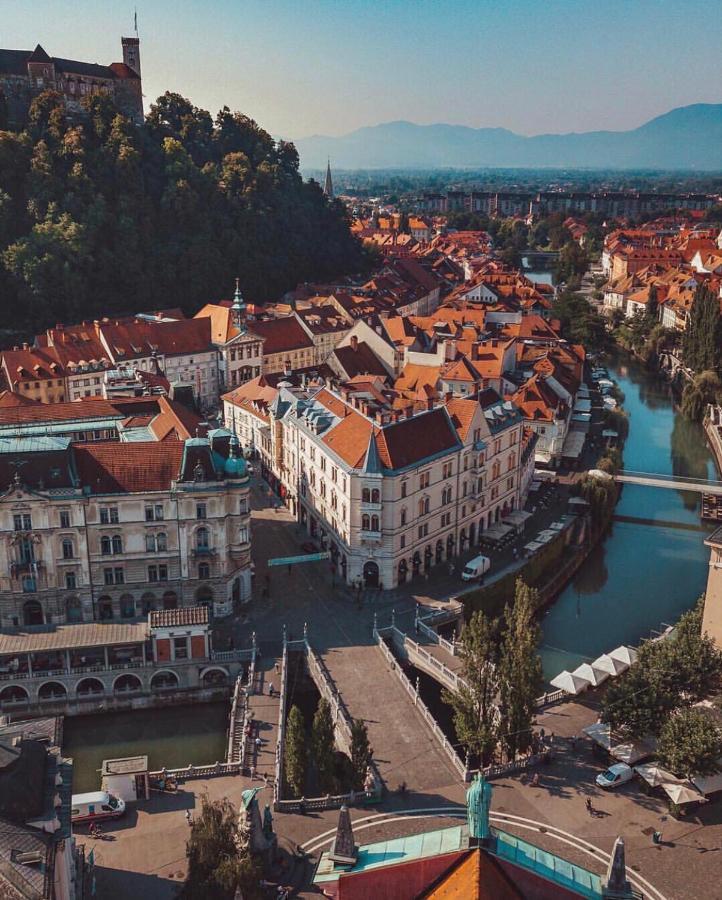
point(570, 683)
point(595, 677)
point(655, 775)
point(683, 793)
point(516, 518)
point(628, 752)
point(610, 664)
point(497, 532)
point(626, 655)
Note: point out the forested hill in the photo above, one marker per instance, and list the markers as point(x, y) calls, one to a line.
point(102, 217)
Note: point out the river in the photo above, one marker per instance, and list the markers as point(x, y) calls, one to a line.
point(172, 737)
point(642, 574)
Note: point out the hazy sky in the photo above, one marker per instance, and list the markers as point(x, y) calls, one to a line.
point(328, 66)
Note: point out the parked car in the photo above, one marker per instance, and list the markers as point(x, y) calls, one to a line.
point(615, 775)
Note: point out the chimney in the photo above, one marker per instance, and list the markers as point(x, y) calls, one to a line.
point(409, 412)
point(354, 343)
point(494, 342)
point(429, 402)
point(474, 351)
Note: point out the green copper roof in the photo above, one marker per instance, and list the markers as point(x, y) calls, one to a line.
point(547, 865)
point(398, 850)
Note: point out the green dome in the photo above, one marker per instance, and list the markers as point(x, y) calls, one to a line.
point(235, 465)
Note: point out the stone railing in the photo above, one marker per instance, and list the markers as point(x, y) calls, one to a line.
point(343, 724)
point(213, 770)
point(239, 706)
point(549, 698)
point(423, 628)
point(423, 710)
point(411, 647)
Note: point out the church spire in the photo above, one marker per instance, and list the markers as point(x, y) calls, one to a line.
point(328, 184)
point(238, 309)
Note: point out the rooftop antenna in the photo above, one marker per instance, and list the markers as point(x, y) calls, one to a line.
point(135, 21)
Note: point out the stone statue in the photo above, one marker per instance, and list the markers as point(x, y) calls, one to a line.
point(478, 804)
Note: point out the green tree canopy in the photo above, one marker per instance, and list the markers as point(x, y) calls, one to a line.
point(702, 338)
point(361, 753)
point(103, 217)
point(690, 744)
point(323, 746)
point(295, 752)
point(474, 703)
point(217, 864)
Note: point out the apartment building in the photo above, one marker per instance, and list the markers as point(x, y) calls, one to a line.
point(108, 531)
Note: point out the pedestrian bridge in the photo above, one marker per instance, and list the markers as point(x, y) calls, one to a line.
point(671, 482)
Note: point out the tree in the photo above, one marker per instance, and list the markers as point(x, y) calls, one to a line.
point(217, 865)
point(323, 746)
point(704, 388)
point(474, 703)
point(652, 304)
point(295, 752)
point(639, 702)
point(361, 753)
point(520, 671)
point(690, 744)
point(702, 338)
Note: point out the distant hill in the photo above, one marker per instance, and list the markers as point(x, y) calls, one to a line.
point(686, 138)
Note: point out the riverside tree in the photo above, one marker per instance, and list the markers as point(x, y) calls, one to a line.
point(217, 864)
point(690, 744)
point(702, 338)
point(474, 702)
point(520, 671)
point(361, 753)
point(323, 746)
point(295, 752)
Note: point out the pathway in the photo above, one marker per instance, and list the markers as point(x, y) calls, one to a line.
point(263, 715)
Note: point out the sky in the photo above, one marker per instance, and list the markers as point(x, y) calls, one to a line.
point(302, 67)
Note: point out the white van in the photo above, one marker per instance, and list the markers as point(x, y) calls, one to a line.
point(475, 568)
point(95, 806)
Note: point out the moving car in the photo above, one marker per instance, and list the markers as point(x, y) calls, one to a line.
point(95, 806)
point(615, 775)
point(475, 568)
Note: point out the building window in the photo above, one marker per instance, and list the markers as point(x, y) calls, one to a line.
point(200, 510)
point(424, 480)
point(108, 515)
point(403, 541)
point(64, 519)
point(365, 522)
point(71, 581)
point(117, 543)
point(375, 523)
point(202, 539)
point(403, 516)
point(375, 496)
point(180, 646)
point(152, 573)
point(243, 534)
point(105, 545)
point(108, 576)
point(67, 545)
point(22, 522)
point(365, 495)
point(204, 571)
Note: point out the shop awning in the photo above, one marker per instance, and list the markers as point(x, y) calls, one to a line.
point(683, 793)
point(655, 775)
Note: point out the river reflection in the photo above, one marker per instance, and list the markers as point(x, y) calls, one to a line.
point(642, 574)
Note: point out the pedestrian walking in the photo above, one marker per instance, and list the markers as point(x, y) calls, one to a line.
point(590, 808)
point(189, 817)
point(270, 688)
point(277, 667)
point(535, 780)
point(258, 742)
point(253, 773)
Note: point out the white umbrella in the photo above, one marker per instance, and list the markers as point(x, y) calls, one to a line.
point(594, 676)
point(655, 775)
point(570, 683)
point(610, 664)
point(683, 793)
point(627, 655)
point(600, 733)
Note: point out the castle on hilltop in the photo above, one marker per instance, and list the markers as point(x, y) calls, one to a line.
point(26, 73)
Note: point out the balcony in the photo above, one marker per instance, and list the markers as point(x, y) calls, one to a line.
point(371, 537)
point(368, 506)
point(25, 567)
point(204, 552)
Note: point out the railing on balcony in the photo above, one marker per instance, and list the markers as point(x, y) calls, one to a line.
point(204, 551)
point(368, 535)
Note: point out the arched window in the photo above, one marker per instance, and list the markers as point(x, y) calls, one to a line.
point(375, 495)
point(204, 570)
point(202, 539)
point(365, 522)
point(495, 470)
point(374, 523)
point(105, 546)
point(161, 541)
point(512, 461)
point(67, 548)
point(427, 504)
point(365, 495)
point(117, 542)
point(403, 516)
point(421, 507)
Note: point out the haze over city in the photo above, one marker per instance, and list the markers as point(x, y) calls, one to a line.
point(329, 67)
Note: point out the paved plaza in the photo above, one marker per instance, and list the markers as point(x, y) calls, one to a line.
point(146, 856)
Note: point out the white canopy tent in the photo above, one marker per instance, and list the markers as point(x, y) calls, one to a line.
point(532, 547)
point(628, 752)
point(607, 663)
point(627, 655)
point(655, 775)
point(570, 683)
point(683, 793)
point(595, 677)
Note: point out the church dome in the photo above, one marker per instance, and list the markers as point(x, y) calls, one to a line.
point(235, 465)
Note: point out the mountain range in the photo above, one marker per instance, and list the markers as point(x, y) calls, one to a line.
point(689, 137)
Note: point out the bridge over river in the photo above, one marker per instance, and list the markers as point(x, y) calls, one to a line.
point(671, 482)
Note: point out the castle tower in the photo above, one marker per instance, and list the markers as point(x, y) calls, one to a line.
point(328, 183)
point(131, 53)
point(238, 309)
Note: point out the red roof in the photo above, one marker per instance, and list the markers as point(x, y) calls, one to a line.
point(112, 468)
point(281, 335)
